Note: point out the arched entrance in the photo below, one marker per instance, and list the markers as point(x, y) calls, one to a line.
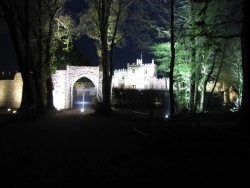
point(84, 92)
point(64, 80)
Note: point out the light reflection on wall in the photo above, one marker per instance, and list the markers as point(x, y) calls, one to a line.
point(11, 92)
point(59, 100)
point(18, 87)
point(59, 89)
point(138, 76)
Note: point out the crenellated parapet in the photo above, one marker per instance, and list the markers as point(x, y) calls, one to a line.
point(121, 70)
point(138, 76)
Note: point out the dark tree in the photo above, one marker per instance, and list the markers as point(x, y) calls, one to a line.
point(16, 15)
point(245, 106)
point(102, 21)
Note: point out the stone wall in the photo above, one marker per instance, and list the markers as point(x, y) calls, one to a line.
point(59, 91)
point(11, 92)
point(64, 80)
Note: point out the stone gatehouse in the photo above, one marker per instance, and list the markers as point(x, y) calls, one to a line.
point(64, 81)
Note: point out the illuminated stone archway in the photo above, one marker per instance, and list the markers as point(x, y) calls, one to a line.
point(63, 81)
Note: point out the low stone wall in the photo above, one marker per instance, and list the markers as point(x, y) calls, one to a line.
point(11, 92)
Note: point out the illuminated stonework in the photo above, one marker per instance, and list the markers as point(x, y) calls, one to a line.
point(63, 81)
point(138, 76)
point(10, 90)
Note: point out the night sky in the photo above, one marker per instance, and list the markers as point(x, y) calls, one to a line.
point(121, 57)
point(7, 55)
point(85, 45)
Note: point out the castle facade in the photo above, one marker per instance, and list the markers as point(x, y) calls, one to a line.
point(138, 76)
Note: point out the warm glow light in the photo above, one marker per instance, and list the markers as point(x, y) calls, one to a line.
point(11, 92)
point(82, 109)
point(58, 101)
point(138, 76)
point(14, 111)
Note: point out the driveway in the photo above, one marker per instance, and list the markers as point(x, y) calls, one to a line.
point(74, 149)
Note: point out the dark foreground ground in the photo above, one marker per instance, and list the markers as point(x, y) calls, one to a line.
point(73, 149)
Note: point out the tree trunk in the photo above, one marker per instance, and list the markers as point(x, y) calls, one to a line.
point(39, 67)
point(171, 80)
point(105, 107)
point(47, 63)
point(245, 104)
point(192, 83)
point(205, 84)
point(217, 76)
point(27, 95)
